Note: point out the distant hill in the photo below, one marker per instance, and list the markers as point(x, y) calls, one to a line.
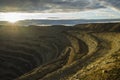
point(62, 22)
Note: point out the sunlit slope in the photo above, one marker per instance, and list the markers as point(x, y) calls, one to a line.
point(105, 62)
point(81, 52)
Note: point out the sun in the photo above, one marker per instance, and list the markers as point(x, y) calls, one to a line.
point(12, 17)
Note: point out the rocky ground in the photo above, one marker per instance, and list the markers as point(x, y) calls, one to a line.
point(80, 52)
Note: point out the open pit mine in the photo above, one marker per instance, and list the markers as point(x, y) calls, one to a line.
point(79, 52)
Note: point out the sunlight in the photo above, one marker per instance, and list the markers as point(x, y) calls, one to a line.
point(103, 13)
point(12, 17)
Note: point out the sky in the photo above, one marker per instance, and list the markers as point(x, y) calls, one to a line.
point(59, 9)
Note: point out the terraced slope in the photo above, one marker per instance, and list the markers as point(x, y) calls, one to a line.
point(82, 52)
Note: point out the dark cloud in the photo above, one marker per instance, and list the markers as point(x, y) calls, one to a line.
point(111, 3)
point(48, 5)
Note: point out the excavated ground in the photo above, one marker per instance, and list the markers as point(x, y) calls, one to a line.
point(80, 52)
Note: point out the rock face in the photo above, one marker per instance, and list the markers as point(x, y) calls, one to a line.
point(81, 52)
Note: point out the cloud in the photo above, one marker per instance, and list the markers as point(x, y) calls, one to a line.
point(56, 5)
point(48, 5)
point(115, 4)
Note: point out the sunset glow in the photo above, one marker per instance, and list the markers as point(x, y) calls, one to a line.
point(11, 17)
